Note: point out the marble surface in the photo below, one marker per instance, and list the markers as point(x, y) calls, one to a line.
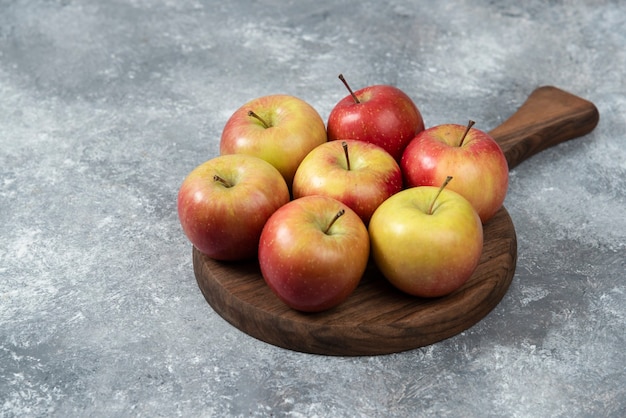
point(105, 106)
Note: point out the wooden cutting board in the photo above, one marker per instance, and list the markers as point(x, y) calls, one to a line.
point(377, 318)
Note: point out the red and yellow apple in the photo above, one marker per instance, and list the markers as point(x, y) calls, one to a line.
point(313, 252)
point(426, 241)
point(280, 129)
point(224, 203)
point(471, 156)
point(381, 114)
point(359, 174)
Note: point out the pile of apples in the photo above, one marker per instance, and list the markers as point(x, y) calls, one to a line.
point(314, 203)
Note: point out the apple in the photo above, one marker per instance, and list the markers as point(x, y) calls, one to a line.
point(224, 203)
point(470, 155)
point(426, 241)
point(359, 174)
point(313, 253)
point(281, 129)
point(381, 114)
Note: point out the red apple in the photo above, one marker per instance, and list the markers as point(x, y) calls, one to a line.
point(313, 253)
point(224, 203)
point(359, 174)
point(471, 156)
point(381, 114)
point(426, 241)
point(281, 129)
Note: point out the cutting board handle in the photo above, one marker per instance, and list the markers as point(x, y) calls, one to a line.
point(548, 117)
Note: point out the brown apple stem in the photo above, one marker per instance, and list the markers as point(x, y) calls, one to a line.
point(332, 222)
point(221, 180)
point(344, 144)
point(469, 126)
point(259, 118)
point(345, 83)
point(443, 186)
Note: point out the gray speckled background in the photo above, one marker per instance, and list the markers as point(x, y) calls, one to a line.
point(105, 106)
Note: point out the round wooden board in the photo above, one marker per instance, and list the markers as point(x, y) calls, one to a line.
point(376, 318)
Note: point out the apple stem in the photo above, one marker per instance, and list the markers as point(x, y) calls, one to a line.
point(221, 180)
point(469, 126)
point(432, 204)
point(259, 118)
point(332, 222)
point(344, 144)
point(345, 83)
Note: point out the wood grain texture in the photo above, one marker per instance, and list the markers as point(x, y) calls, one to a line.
point(547, 118)
point(377, 318)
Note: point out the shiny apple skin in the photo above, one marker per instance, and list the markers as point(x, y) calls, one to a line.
point(373, 176)
point(426, 255)
point(225, 223)
point(296, 128)
point(385, 116)
point(309, 269)
point(478, 166)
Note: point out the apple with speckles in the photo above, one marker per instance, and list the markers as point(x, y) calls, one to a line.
point(471, 156)
point(313, 252)
point(360, 174)
point(224, 203)
point(381, 114)
point(280, 129)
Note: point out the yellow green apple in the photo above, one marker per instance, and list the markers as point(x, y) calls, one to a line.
point(426, 241)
